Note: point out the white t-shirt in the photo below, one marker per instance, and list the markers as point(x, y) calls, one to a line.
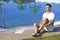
point(49, 16)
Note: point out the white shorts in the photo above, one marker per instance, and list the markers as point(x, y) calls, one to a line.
point(49, 28)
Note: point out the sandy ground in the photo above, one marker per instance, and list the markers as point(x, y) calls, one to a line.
point(25, 34)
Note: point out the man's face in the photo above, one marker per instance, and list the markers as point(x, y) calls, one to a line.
point(47, 8)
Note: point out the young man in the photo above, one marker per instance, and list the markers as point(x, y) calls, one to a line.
point(46, 22)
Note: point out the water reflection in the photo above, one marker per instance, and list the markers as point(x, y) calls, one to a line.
point(3, 17)
point(35, 8)
point(23, 4)
point(23, 1)
point(6, 1)
point(14, 17)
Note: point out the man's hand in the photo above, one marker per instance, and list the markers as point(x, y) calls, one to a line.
point(46, 25)
point(49, 23)
point(40, 25)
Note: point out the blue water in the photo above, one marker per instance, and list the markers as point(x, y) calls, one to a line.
point(15, 17)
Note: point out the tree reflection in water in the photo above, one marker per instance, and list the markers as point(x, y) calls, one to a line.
point(23, 4)
point(3, 18)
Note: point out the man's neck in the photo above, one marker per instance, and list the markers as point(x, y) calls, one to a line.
point(48, 12)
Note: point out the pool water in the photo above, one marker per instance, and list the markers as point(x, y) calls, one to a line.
point(25, 14)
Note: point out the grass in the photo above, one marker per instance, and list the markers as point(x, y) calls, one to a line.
point(54, 37)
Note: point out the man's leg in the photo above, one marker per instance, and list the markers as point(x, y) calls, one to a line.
point(36, 28)
point(37, 31)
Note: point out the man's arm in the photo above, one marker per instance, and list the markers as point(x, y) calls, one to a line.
point(49, 23)
point(43, 21)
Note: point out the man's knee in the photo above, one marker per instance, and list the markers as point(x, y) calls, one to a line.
point(35, 24)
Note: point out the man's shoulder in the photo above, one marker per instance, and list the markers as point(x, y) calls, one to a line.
point(44, 12)
point(52, 13)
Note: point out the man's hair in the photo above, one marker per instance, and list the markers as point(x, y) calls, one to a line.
point(49, 5)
